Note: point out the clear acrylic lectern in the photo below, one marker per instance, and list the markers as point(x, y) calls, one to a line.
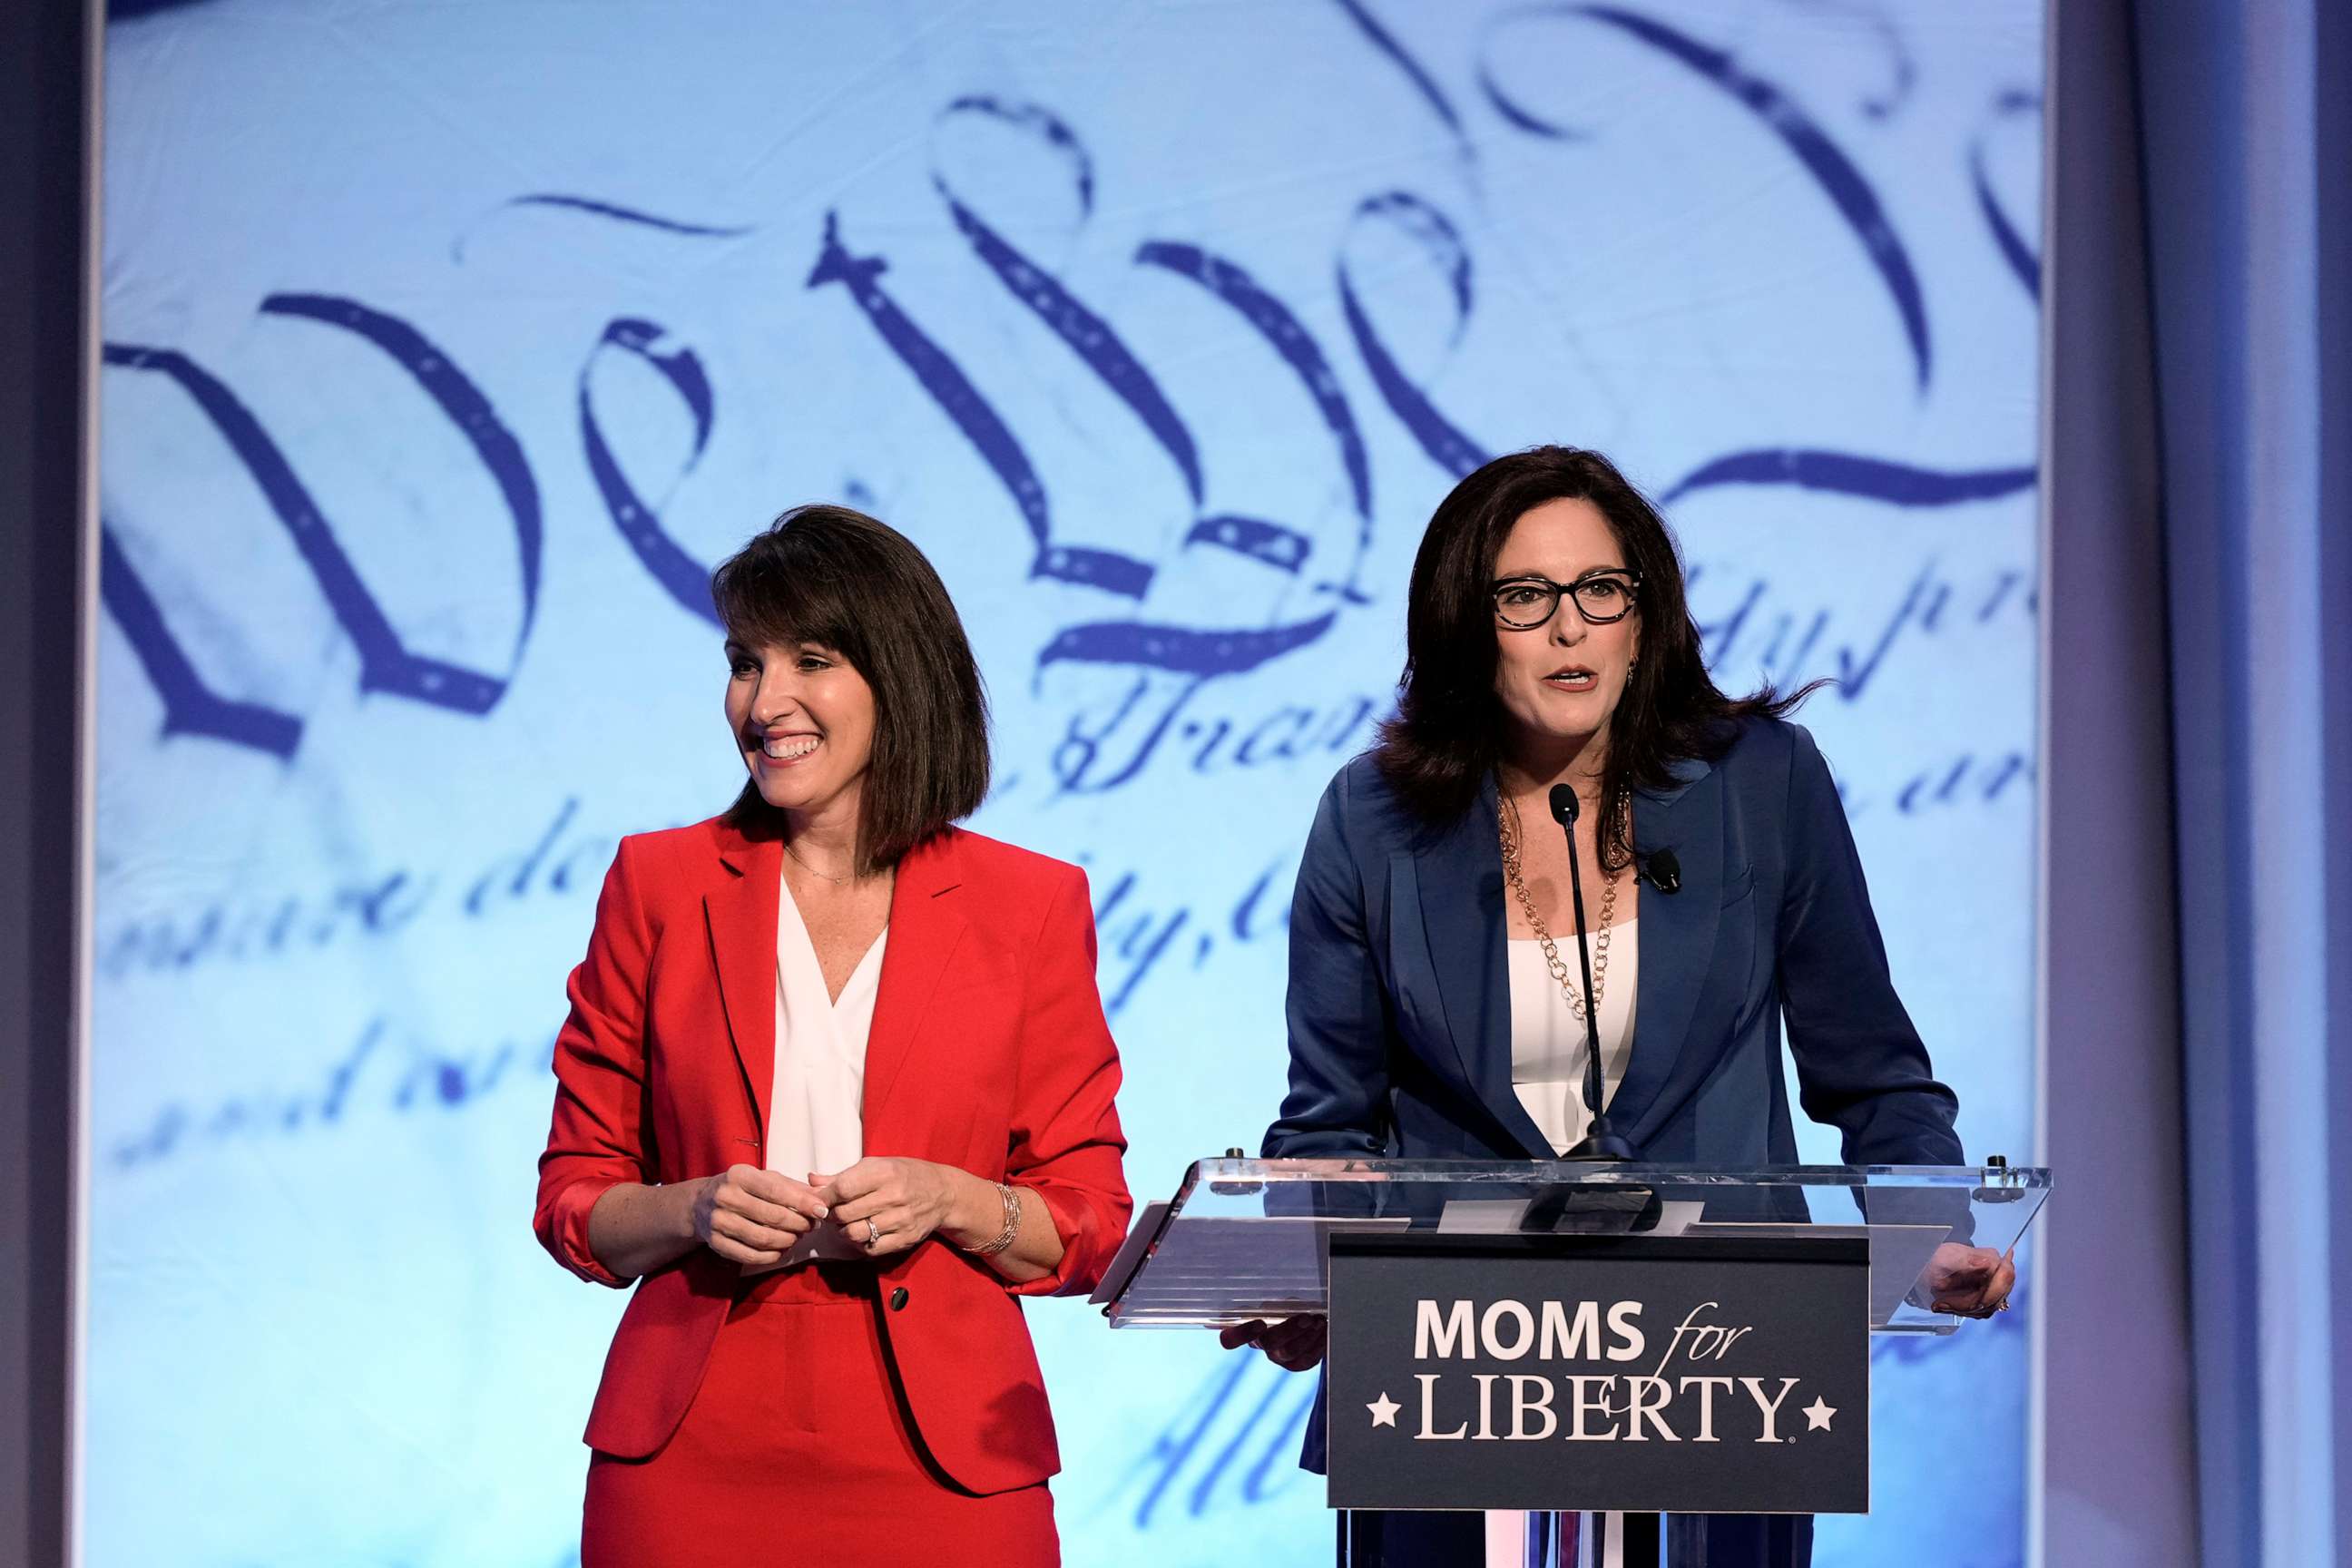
point(1248, 1240)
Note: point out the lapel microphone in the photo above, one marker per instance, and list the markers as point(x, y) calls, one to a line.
point(1664, 872)
point(1601, 1143)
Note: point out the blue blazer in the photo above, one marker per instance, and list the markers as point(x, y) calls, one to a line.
point(1399, 1009)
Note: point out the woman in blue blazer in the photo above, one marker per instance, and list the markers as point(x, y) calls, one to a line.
point(1432, 1013)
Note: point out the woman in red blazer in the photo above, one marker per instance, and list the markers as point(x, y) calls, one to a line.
point(831, 1211)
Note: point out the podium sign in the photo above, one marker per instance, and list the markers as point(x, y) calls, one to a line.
point(1693, 1374)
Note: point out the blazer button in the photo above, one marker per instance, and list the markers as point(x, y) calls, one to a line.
point(898, 1299)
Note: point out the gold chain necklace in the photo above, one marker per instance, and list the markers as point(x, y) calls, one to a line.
point(836, 881)
point(1507, 823)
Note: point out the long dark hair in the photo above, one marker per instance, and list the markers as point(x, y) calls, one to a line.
point(1447, 735)
point(830, 575)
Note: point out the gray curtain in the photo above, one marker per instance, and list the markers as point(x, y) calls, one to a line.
point(2197, 916)
point(43, 96)
point(2246, 165)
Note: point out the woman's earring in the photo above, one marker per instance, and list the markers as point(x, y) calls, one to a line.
point(1631, 665)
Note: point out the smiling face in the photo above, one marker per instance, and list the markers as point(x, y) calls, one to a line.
point(802, 717)
point(1560, 682)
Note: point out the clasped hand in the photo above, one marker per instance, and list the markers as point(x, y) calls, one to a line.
point(755, 1216)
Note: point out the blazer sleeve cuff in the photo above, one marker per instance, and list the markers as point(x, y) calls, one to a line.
point(564, 1228)
point(1080, 1229)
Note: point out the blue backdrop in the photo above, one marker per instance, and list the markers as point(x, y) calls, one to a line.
point(447, 346)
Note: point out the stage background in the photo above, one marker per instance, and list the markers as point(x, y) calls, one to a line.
point(448, 345)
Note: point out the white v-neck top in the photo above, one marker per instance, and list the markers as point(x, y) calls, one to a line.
point(1548, 1039)
point(816, 1109)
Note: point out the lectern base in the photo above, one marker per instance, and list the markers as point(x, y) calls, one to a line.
point(1370, 1538)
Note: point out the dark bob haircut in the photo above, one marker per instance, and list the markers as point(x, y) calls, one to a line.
point(835, 577)
point(1447, 735)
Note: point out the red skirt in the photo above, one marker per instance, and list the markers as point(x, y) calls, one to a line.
point(798, 1449)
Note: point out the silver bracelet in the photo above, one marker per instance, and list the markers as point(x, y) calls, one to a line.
point(1012, 1199)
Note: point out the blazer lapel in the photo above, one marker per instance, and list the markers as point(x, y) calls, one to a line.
point(927, 922)
point(1458, 877)
point(742, 912)
point(1677, 934)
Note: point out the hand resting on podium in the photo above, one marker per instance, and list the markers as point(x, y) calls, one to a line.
point(1294, 1344)
point(1968, 1281)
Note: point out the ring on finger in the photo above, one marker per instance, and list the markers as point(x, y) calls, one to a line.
point(872, 1236)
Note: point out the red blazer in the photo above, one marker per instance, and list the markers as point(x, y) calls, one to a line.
point(988, 1050)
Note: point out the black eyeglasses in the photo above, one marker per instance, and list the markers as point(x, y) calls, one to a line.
point(1530, 600)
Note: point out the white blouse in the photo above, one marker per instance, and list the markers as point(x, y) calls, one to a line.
point(1548, 1054)
point(815, 1109)
point(1548, 1039)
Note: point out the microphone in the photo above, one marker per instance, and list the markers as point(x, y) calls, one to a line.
point(1665, 872)
point(1602, 1142)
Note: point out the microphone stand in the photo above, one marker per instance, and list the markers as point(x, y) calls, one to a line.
point(1602, 1144)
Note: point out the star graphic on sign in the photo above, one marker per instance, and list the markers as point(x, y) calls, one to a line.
point(1817, 1414)
point(1384, 1410)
